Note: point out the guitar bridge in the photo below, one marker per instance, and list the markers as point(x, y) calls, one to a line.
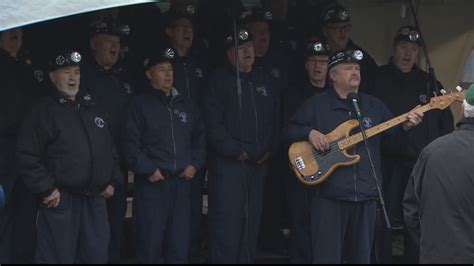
point(300, 163)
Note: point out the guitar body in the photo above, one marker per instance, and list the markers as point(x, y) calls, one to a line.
point(312, 169)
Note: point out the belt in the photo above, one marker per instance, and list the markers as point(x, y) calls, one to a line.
point(86, 192)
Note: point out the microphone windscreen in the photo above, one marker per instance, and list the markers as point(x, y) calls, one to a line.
point(353, 96)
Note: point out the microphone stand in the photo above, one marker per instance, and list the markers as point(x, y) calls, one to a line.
point(372, 165)
point(431, 71)
point(246, 232)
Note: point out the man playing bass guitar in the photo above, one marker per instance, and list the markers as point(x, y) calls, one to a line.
point(343, 209)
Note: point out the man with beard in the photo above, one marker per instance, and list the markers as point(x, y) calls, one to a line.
point(401, 84)
point(18, 90)
point(343, 209)
point(111, 84)
point(66, 156)
point(242, 130)
point(337, 27)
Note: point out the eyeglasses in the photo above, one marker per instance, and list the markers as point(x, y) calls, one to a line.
point(316, 61)
point(345, 28)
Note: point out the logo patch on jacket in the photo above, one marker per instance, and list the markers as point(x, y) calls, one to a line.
point(198, 73)
point(367, 122)
point(262, 90)
point(183, 117)
point(39, 75)
point(276, 73)
point(424, 99)
point(128, 88)
point(99, 122)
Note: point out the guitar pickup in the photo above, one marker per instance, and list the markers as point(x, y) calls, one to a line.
point(300, 163)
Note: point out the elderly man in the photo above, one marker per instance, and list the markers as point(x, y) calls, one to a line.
point(401, 84)
point(241, 135)
point(106, 77)
point(337, 27)
point(439, 203)
point(165, 147)
point(66, 157)
point(299, 196)
point(18, 92)
point(190, 78)
point(344, 208)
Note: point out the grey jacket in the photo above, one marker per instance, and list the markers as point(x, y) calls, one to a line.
point(439, 200)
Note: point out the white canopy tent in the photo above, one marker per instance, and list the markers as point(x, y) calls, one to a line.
point(24, 12)
point(447, 26)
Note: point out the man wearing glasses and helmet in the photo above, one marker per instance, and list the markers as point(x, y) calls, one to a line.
point(337, 28)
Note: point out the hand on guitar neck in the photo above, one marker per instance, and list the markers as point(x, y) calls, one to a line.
point(321, 142)
point(414, 118)
point(315, 160)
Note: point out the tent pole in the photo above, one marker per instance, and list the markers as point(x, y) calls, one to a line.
point(433, 85)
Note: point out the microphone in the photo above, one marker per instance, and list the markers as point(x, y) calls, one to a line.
point(354, 98)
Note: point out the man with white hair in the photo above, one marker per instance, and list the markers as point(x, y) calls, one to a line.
point(66, 157)
point(439, 203)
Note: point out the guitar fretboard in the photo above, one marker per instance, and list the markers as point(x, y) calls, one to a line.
point(357, 138)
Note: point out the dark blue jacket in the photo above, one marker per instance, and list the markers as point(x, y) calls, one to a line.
point(276, 66)
point(190, 77)
point(112, 90)
point(401, 92)
point(326, 111)
point(260, 114)
point(163, 134)
point(18, 92)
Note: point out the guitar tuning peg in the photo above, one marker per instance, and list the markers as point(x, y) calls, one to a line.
point(458, 88)
point(435, 94)
point(444, 92)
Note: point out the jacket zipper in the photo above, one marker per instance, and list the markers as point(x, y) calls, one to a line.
point(90, 145)
point(255, 111)
point(172, 136)
point(187, 80)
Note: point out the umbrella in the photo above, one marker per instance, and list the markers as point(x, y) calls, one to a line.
point(24, 12)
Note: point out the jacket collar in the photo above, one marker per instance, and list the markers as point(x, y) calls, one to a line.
point(337, 103)
point(81, 98)
point(466, 124)
point(308, 89)
point(175, 95)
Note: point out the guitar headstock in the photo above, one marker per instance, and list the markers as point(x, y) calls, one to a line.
point(447, 98)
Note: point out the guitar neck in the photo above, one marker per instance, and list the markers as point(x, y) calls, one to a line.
point(358, 138)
